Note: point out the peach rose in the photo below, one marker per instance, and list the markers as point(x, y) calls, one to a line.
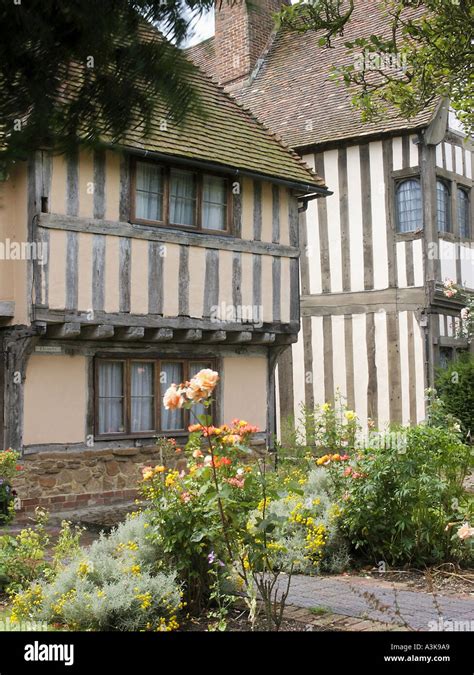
point(195, 392)
point(206, 380)
point(173, 398)
point(465, 532)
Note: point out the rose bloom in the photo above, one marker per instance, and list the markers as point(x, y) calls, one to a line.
point(464, 313)
point(194, 427)
point(206, 380)
point(196, 393)
point(465, 532)
point(236, 482)
point(185, 497)
point(197, 453)
point(173, 398)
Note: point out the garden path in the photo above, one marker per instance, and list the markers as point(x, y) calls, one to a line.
point(354, 596)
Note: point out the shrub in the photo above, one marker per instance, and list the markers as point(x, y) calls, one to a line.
point(455, 387)
point(306, 536)
point(325, 428)
point(8, 469)
point(112, 585)
point(24, 558)
point(398, 502)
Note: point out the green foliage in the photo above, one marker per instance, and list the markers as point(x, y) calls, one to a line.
point(9, 464)
point(400, 501)
point(325, 428)
point(25, 558)
point(428, 50)
point(455, 387)
point(305, 537)
point(8, 469)
point(97, 47)
point(112, 585)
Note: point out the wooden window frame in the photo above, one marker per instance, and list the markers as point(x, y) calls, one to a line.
point(398, 181)
point(127, 361)
point(467, 191)
point(166, 169)
point(452, 218)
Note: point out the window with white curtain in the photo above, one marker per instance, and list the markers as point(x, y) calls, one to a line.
point(129, 394)
point(214, 203)
point(149, 191)
point(142, 397)
point(443, 206)
point(171, 373)
point(182, 198)
point(409, 206)
point(178, 197)
point(463, 212)
point(111, 397)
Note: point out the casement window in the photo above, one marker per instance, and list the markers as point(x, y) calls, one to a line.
point(463, 212)
point(176, 197)
point(409, 210)
point(443, 206)
point(129, 395)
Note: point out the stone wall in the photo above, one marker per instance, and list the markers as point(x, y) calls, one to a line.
point(67, 480)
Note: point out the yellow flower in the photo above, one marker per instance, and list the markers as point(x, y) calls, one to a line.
point(145, 600)
point(171, 478)
point(159, 469)
point(326, 407)
point(350, 415)
point(83, 569)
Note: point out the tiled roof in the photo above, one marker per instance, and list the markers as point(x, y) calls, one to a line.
point(226, 135)
point(293, 95)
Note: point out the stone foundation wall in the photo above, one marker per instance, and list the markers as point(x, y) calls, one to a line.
point(66, 480)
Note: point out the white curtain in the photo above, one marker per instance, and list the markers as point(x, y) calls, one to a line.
point(110, 397)
point(171, 373)
point(182, 198)
point(409, 206)
point(149, 192)
point(142, 399)
point(214, 203)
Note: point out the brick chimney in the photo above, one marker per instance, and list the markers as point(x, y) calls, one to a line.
point(242, 31)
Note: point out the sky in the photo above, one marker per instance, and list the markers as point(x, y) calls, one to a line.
point(203, 29)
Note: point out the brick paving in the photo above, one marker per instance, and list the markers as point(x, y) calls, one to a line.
point(345, 596)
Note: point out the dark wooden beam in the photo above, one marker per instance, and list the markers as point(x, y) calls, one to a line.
point(99, 332)
point(163, 235)
point(264, 338)
point(243, 336)
point(192, 335)
point(130, 333)
point(64, 330)
point(215, 336)
point(161, 335)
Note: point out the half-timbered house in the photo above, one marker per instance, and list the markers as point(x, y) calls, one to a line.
point(137, 265)
point(375, 321)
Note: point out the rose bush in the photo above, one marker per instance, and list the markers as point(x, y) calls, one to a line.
point(399, 502)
